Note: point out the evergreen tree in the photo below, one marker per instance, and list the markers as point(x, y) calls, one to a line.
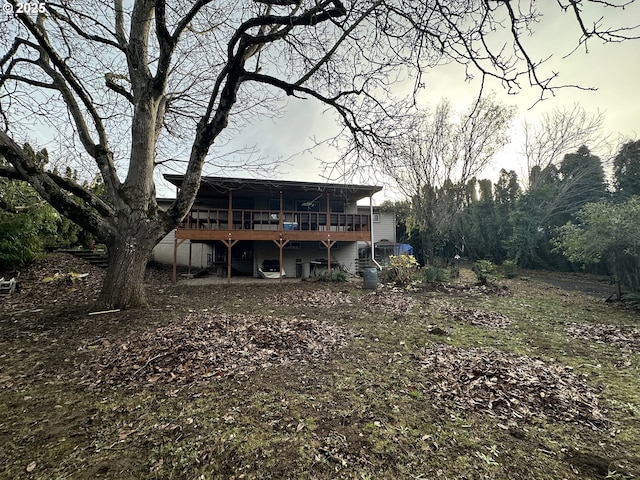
point(626, 170)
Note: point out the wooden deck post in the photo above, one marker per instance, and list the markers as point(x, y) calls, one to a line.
point(229, 243)
point(328, 243)
point(176, 243)
point(281, 242)
point(280, 218)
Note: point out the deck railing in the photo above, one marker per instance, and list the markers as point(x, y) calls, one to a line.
point(219, 219)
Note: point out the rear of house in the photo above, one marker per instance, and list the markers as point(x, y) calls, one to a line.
point(237, 226)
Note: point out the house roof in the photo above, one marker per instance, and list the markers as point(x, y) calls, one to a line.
point(215, 186)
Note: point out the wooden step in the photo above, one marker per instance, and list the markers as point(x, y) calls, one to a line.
point(94, 257)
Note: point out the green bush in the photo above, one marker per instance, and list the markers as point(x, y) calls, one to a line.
point(486, 272)
point(20, 242)
point(334, 276)
point(434, 274)
point(509, 269)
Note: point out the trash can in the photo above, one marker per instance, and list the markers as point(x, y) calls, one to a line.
point(370, 275)
point(306, 270)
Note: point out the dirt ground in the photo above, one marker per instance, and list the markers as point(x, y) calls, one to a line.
point(293, 379)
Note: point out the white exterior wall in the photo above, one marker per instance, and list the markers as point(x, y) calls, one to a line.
point(163, 252)
point(385, 229)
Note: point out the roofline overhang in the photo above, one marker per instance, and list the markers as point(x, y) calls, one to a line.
point(227, 184)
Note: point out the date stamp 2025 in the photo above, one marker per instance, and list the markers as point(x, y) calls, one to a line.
point(23, 7)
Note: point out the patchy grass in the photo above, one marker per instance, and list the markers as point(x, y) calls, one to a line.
point(321, 381)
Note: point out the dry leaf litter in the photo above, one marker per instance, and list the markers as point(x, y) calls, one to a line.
point(309, 298)
point(206, 345)
point(625, 337)
point(61, 278)
point(475, 316)
point(509, 386)
point(391, 301)
point(55, 277)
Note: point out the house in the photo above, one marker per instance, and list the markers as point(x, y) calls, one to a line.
point(244, 227)
point(384, 238)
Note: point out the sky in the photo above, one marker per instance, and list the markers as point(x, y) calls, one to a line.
point(613, 69)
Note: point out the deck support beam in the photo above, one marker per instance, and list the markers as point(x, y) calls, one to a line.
point(176, 243)
point(229, 243)
point(328, 243)
point(281, 242)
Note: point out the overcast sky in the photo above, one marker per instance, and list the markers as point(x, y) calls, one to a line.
point(614, 69)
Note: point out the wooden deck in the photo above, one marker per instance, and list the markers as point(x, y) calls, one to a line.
point(231, 226)
point(212, 224)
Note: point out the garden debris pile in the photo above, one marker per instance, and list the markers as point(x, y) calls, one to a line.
point(508, 385)
point(206, 345)
point(474, 316)
point(624, 337)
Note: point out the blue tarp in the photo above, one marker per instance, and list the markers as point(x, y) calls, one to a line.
point(404, 249)
point(385, 248)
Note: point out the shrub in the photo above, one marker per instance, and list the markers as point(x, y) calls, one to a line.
point(402, 269)
point(434, 274)
point(485, 271)
point(333, 276)
point(509, 269)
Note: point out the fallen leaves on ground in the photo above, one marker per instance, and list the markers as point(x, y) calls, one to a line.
point(475, 316)
point(206, 345)
point(391, 301)
point(309, 298)
point(509, 385)
point(456, 289)
point(394, 301)
point(53, 278)
point(59, 278)
point(625, 337)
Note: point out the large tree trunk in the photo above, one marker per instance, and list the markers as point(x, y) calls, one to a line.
point(129, 252)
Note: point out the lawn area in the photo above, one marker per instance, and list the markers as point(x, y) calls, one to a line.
point(316, 380)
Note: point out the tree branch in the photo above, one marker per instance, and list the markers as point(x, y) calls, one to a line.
point(49, 188)
point(67, 184)
point(68, 85)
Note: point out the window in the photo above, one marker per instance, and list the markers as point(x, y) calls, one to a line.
point(337, 207)
point(375, 218)
point(322, 246)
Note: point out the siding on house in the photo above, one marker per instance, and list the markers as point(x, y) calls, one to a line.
point(163, 252)
point(383, 223)
point(385, 229)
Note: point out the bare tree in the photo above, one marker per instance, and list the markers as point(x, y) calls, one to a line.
point(125, 82)
point(559, 133)
point(437, 158)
